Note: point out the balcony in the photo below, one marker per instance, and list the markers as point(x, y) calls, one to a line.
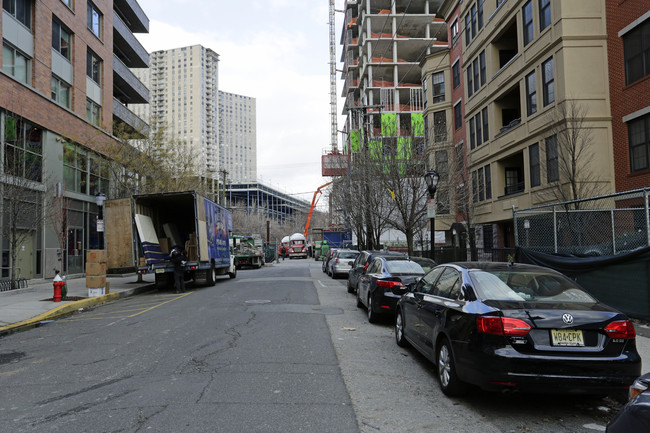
point(123, 115)
point(130, 51)
point(134, 16)
point(126, 86)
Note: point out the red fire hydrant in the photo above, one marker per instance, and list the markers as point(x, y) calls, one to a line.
point(58, 284)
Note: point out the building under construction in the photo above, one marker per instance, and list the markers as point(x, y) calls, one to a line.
point(384, 42)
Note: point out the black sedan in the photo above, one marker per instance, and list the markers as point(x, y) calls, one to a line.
point(635, 415)
point(385, 274)
point(516, 327)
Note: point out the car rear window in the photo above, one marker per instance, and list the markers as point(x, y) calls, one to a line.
point(348, 255)
point(403, 267)
point(536, 286)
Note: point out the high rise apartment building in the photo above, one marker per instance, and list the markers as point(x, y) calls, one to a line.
point(64, 81)
point(184, 84)
point(238, 137)
point(384, 42)
point(525, 64)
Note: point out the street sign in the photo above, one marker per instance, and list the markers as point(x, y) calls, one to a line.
point(431, 208)
point(100, 225)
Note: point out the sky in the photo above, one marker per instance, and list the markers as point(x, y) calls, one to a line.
point(276, 51)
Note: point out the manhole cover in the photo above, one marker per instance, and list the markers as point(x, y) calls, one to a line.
point(258, 301)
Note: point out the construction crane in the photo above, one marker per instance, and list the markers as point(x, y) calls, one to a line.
point(333, 113)
point(317, 194)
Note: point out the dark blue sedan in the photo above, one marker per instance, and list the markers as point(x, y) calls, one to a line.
point(516, 327)
point(376, 285)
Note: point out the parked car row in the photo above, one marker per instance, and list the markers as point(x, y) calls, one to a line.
point(500, 326)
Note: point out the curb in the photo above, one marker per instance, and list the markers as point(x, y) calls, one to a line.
point(72, 307)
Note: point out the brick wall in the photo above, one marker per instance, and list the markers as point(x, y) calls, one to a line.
point(35, 104)
point(624, 99)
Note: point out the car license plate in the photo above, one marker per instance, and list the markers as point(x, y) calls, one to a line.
point(160, 270)
point(567, 337)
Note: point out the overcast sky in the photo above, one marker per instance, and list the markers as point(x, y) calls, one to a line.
point(276, 51)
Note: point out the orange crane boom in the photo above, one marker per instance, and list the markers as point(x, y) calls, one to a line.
point(317, 194)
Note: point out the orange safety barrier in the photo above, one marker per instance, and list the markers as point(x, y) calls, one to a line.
point(381, 83)
point(386, 60)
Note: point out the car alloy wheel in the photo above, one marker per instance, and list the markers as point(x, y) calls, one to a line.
point(399, 330)
point(449, 382)
point(372, 316)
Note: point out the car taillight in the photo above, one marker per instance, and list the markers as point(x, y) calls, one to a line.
point(621, 329)
point(388, 285)
point(365, 267)
point(502, 326)
point(336, 261)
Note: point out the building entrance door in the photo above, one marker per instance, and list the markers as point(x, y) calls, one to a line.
point(25, 256)
point(75, 250)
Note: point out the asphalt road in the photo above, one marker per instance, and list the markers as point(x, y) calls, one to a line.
point(279, 349)
point(253, 354)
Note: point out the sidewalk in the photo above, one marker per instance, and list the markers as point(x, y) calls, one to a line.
point(26, 308)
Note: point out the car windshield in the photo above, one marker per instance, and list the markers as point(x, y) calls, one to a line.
point(404, 267)
point(516, 285)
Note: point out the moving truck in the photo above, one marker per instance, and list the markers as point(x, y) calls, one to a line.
point(187, 220)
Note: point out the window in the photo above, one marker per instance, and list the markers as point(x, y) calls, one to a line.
point(16, 64)
point(472, 134)
point(481, 185)
point(454, 32)
point(468, 29)
point(639, 139)
point(473, 12)
point(480, 14)
point(486, 132)
point(458, 116)
point(548, 82)
point(61, 39)
point(60, 91)
point(94, 20)
point(442, 164)
point(479, 134)
point(68, 3)
point(93, 66)
point(636, 50)
point(448, 285)
point(488, 183)
point(19, 9)
point(439, 126)
point(456, 74)
point(544, 14)
point(476, 74)
point(531, 94)
point(481, 58)
point(552, 163)
point(474, 187)
point(23, 145)
point(93, 112)
point(533, 158)
point(527, 16)
point(470, 86)
point(438, 87)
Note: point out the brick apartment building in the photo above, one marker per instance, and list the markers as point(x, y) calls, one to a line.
point(628, 52)
point(64, 82)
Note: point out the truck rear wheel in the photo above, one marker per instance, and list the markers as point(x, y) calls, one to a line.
point(233, 274)
point(211, 277)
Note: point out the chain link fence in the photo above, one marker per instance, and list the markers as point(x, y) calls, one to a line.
point(605, 225)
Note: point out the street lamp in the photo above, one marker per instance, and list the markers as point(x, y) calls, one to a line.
point(431, 178)
point(100, 198)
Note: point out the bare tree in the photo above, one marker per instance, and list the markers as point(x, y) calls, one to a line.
point(570, 155)
point(152, 164)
